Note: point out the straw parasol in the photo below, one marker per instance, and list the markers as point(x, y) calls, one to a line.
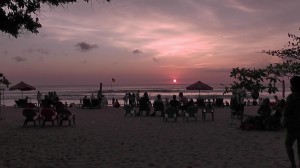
point(199, 86)
point(23, 87)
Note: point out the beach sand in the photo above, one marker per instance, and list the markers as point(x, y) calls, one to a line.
point(105, 138)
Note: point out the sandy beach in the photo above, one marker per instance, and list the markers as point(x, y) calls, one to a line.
point(105, 138)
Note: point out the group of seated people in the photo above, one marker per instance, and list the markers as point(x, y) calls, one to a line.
point(57, 112)
point(115, 103)
point(94, 102)
point(180, 104)
point(268, 116)
point(22, 102)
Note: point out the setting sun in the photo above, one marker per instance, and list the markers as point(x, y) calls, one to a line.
point(174, 80)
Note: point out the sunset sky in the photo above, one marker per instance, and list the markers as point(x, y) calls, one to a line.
point(149, 41)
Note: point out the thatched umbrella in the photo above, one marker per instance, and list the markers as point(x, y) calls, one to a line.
point(199, 86)
point(23, 87)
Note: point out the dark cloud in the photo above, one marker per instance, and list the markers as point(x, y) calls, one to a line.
point(136, 51)
point(43, 51)
point(19, 59)
point(155, 59)
point(84, 47)
point(37, 50)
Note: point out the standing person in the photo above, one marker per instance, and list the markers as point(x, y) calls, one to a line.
point(292, 119)
point(39, 98)
point(125, 98)
point(113, 101)
point(240, 98)
point(276, 100)
point(137, 97)
point(92, 96)
point(99, 96)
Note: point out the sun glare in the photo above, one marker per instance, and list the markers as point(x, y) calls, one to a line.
point(174, 80)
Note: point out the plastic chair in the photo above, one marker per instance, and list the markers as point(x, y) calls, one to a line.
point(129, 110)
point(66, 115)
point(170, 112)
point(208, 109)
point(48, 115)
point(30, 115)
point(158, 106)
point(191, 111)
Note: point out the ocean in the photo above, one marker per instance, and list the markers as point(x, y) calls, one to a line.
point(73, 93)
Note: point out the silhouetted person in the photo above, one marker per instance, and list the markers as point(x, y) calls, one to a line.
point(190, 103)
point(158, 105)
point(183, 101)
point(144, 104)
point(39, 97)
point(263, 113)
point(292, 120)
point(174, 102)
point(116, 104)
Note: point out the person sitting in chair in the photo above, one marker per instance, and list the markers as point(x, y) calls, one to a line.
point(183, 102)
point(144, 104)
point(274, 121)
point(158, 105)
point(116, 104)
point(174, 103)
point(264, 111)
point(190, 103)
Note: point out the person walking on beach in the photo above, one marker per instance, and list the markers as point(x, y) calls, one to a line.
point(292, 120)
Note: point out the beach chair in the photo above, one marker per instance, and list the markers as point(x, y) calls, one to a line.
point(129, 110)
point(170, 112)
point(191, 111)
point(95, 103)
point(86, 103)
point(20, 103)
point(219, 102)
point(66, 115)
point(30, 115)
point(142, 108)
point(200, 102)
point(158, 106)
point(49, 115)
point(208, 109)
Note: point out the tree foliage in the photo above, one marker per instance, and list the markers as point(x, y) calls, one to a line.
point(4, 80)
point(291, 51)
point(17, 16)
point(265, 79)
